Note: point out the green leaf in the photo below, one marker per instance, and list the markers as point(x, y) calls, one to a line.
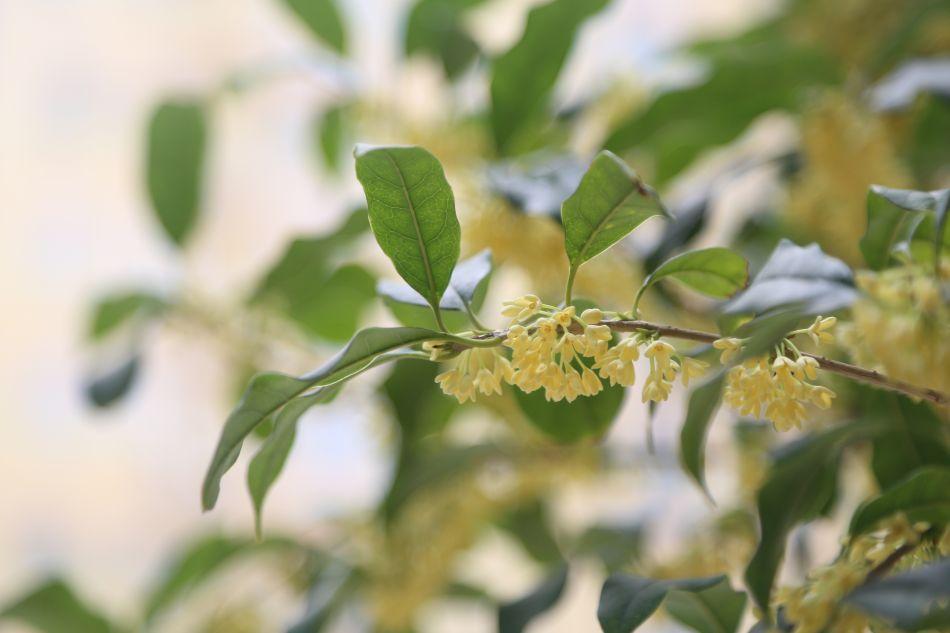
point(893, 218)
point(268, 392)
point(627, 601)
point(923, 496)
point(115, 310)
point(717, 609)
point(53, 607)
point(537, 184)
point(177, 135)
point(531, 526)
point(914, 600)
point(412, 214)
point(523, 77)
point(330, 133)
point(806, 277)
point(108, 388)
point(513, 617)
point(337, 305)
point(799, 487)
point(703, 403)
point(323, 19)
point(615, 546)
point(437, 27)
point(269, 461)
point(717, 272)
point(570, 422)
point(610, 201)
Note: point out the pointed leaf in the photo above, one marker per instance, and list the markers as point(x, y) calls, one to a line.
point(627, 601)
point(113, 311)
point(322, 18)
point(53, 607)
point(513, 617)
point(703, 403)
point(610, 202)
point(923, 496)
point(437, 27)
point(717, 272)
point(177, 135)
point(717, 609)
point(412, 214)
point(268, 392)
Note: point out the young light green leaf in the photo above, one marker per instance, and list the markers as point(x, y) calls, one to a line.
point(113, 311)
point(627, 601)
point(412, 214)
point(514, 617)
point(717, 272)
point(799, 486)
point(914, 600)
point(571, 422)
point(268, 463)
point(268, 392)
point(523, 77)
point(894, 216)
point(108, 388)
point(794, 275)
point(703, 403)
point(610, 201)
point(322, 18)
point(922, 496)
point(717, 609)
point(53, 607)
point(177, 135)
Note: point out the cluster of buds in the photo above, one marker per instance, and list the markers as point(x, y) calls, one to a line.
point(777, 388)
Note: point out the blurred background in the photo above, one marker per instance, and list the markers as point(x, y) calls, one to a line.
point(106, 497)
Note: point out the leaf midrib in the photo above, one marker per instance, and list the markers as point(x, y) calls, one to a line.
point(583, 251)
point(434, 295)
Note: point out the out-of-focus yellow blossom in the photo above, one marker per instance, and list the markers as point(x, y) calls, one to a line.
point(730, 348)
point(692, 368)
point(819, 330)
point(902, 309)
point(477, 370)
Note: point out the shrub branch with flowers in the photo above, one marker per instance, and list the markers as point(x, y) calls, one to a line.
point(575, 351)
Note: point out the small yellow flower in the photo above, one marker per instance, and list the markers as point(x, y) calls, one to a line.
point(565, 317)
point(692, 368)
point(476, 370)
point(521, 308)
point(592, 316)
point(730, 348)
point(819, 330)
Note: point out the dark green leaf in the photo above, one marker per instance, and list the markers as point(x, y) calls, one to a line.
point(717, 609)
point(570, 422)
point(523, 77)
point(615, 546)
point(798, 489)
point(436, 27)
point(531, 526)
point(610, 201)
point(322, 18)
point(113, 311)
point(177, 135)
point(268, 392)
point(893, 218)
point(108, 388)
point(537, 184)
point(337, 305)
point(717, 272)
point(914, 600)
point(54, 608)
point(513, 617)
point(627, 601)
point(923, 496)
point(805, 276)
point(269, 461)
point(703, 403)
point(412, 214)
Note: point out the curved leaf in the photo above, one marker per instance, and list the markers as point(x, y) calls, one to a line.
point(627, 601)
point(108, 388)
point(513, 617)
point(53, 607)
point(115, 310)
point(703, 403)
point(717, 272)
point(894, 216)
point(610, 201)
point(412, 214)
point(268, 392)
point(436, 27)
point(322, 18)
point(923, 496)
point(717, 609)
point(177, 135)
point(570, 422)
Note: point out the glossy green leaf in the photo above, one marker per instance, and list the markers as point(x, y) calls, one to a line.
point(268, 392)
point(717, 609)
point(703, 403)
point(436, 27)
point(571, 422)
point(108, 388)
point(113, 311)
point(323, 20)
point(523, 77)
point(412, 214)
point(923, 496)
point(610, 201)
point(269, 461)
point(717, 272)
point(627, 601)
point(914, 600)
point(893, 218)
point(799, 487)
point(806, 277)
point(177, 136)
point(514, 617)
point(53, 607)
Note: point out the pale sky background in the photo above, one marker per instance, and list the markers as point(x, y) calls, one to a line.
point(101, 497)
